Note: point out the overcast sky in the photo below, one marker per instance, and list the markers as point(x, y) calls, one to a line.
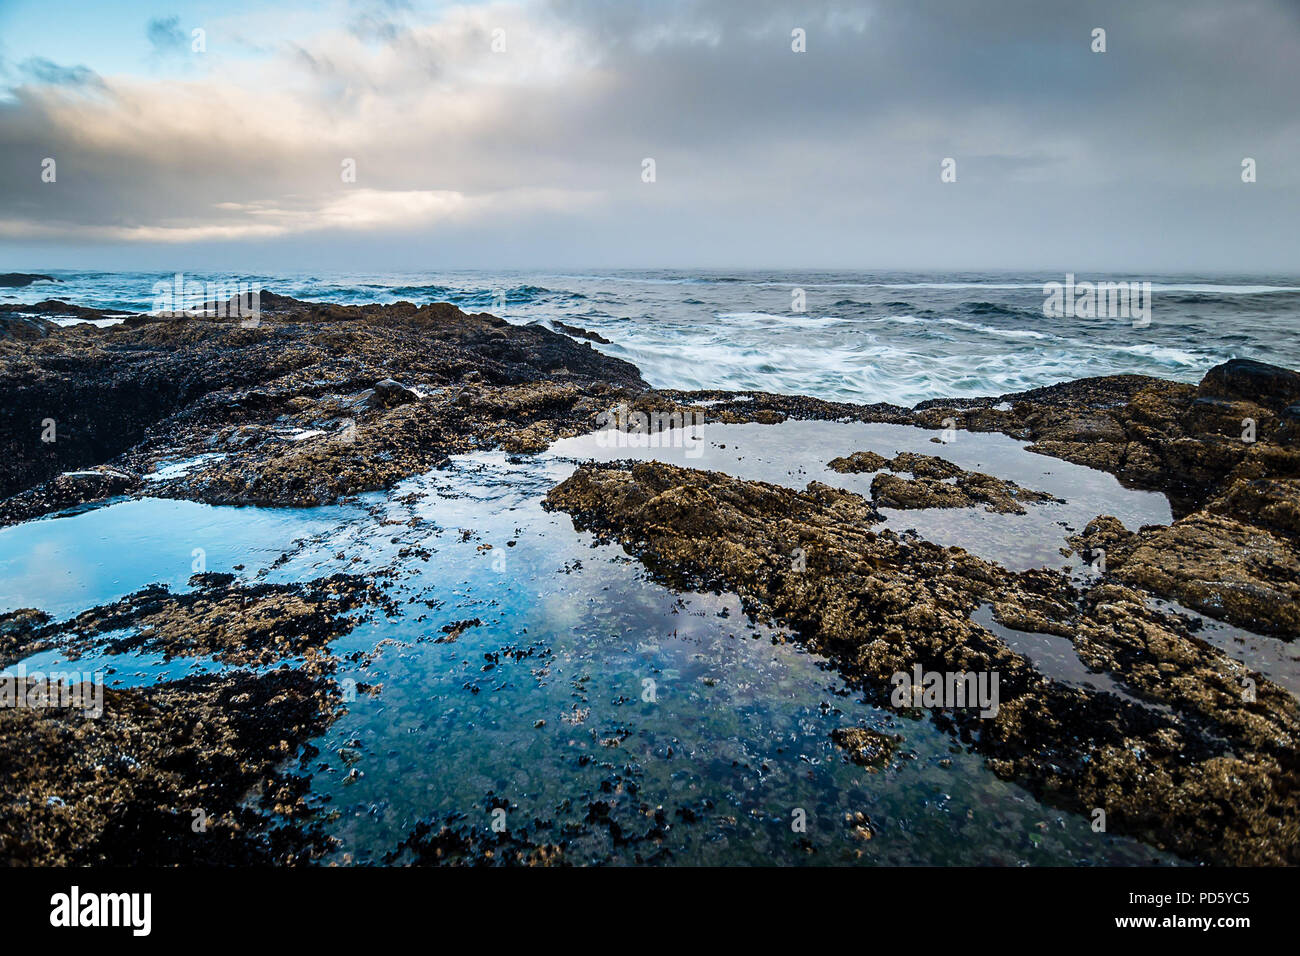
point(532, 155)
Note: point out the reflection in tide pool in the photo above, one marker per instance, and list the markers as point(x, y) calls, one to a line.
point(533, 669)
point(67, 564)
point(796, 452)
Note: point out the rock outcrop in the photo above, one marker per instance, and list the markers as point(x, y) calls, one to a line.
point(1189, 762)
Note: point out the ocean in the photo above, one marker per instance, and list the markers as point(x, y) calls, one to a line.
point(860, 336)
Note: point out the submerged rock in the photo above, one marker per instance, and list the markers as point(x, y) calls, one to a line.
point(865, 747)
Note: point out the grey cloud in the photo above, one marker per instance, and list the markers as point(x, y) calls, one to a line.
point(765, 157)
point(51, 73)
point(383, 21)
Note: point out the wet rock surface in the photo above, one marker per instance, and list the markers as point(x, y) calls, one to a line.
point(19, 634)
point(23, 327)
point(57, 308)
point(1224, 453)
point(231, 622)
point(1201, 771)
point(1184, 440)
point(318, 402)
point(969, 490)
point(124, 789)
point(1213, 564)
point(858, 463)
point(578, 333)
point(153, 390)
point(68, 490)
point(936, 483)
point(163, 774)
point(19, 280)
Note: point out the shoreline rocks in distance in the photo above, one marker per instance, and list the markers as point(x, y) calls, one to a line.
point(580, 333)
point(20, 280)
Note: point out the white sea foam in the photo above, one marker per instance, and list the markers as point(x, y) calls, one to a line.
point(899, 338)
point(994, 330)
point(776, 322)
point(865, 373)
point(1161, 353)
point(1207, 288)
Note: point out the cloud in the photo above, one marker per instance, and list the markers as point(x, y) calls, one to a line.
point(382, 21)
point(764, 156)
point(52, 74)
point(355, 211)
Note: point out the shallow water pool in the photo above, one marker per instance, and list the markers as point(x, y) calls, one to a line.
point(601, 710)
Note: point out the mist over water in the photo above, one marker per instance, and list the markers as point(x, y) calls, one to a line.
point(862, 337)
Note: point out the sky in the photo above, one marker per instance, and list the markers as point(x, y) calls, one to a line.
point(197, 136)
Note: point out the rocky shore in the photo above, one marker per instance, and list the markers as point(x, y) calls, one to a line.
point(302, 409)
point(317, 403)
point(20, 280)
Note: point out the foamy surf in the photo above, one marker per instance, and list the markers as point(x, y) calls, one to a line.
point(899, 338)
